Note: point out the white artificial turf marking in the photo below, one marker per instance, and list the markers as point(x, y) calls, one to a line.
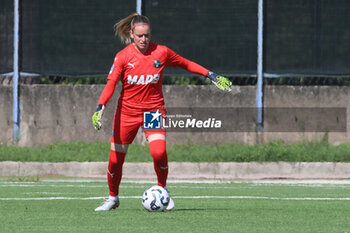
point(46, 183)
point(310, 185)
point(283, 181)
point(307, 183)
point(183, 197)
point(50, 193)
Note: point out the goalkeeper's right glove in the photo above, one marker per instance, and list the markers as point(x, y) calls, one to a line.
point(220, 82)
point(96, 118)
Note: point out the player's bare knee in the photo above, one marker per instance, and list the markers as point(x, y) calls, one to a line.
point(123, 148)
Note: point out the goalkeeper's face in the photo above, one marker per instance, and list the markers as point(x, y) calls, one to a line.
point(142, 36)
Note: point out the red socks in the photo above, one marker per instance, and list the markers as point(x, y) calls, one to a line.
point(116, 161)
point(114, 173)
point(160, 160)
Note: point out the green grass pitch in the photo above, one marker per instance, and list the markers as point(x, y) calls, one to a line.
point(201, 206)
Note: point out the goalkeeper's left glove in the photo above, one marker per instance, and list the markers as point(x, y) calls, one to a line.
point(96, 118)
point(221, 82)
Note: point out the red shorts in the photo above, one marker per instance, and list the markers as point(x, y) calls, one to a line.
point(127, 124)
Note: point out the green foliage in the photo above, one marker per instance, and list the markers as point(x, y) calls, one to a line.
point(98, 151)
point(58, 152)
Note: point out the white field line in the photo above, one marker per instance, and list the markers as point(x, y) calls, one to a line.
point(216, 181)
point(189, 181)
point(334, 183)
point(327, 184)
point(50, 193)
point(121, 186)
point(273, 181)
point(184, 197)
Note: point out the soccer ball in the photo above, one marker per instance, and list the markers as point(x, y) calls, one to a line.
point(155, 199)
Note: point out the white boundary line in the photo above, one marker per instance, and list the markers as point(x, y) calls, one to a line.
point(310, 185)
point(273, 181)
point(126, 183)
point(184, 197)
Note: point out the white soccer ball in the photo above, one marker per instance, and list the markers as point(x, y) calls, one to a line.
point(155, 199)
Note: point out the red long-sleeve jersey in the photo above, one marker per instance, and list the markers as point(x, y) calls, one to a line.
point(141, 76)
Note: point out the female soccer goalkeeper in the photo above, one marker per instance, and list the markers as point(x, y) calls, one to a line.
point(140, 67)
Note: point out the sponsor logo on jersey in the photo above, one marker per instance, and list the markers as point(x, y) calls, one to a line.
point(157, 63)
point(152, 120)
point(143, 79)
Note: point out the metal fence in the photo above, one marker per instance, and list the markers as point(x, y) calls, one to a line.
point(76, 38)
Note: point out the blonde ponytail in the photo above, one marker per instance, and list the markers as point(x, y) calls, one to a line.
point(123, 27)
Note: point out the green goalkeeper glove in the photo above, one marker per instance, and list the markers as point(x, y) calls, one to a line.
point(96, 118)
point(221, 82)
